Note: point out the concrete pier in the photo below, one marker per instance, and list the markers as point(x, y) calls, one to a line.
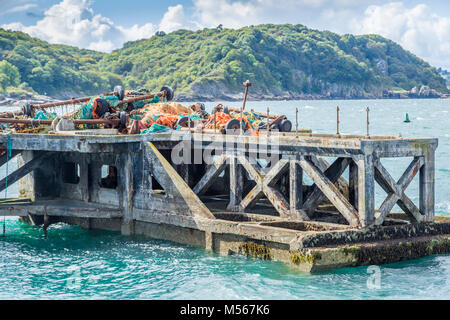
point(236, 194)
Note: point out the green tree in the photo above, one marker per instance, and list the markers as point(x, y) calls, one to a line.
point(9, 75)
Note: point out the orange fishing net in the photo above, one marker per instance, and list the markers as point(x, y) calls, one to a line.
point(221, 119)
point(160, 108)
point(249, 125)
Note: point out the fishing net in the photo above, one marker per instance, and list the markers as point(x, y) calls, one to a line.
point(155, 128)
point(163, 113)
point(142, 103)
point(87, 110)
point(42, 115)
point(221, 119)
point(250, 121)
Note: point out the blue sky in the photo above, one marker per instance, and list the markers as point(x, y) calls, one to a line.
point(420, 26)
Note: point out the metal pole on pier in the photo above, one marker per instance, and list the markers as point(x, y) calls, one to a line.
point(367, 122)
point(246, 85)
point(189, 117)
point(240, 124)
point(337, 122)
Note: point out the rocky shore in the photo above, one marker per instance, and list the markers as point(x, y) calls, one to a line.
point(18, 100)
point(423, 92)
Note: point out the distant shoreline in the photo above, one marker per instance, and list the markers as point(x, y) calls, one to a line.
point(304, 99)
point(19, 102)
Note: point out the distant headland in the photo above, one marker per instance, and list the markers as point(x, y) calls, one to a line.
point(283, 62)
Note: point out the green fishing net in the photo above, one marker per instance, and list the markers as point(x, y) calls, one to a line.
point(42, 115)
point(85, 111)
point(142, 103)
point(154, 128)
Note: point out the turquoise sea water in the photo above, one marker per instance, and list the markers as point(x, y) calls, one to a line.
point(74, 263)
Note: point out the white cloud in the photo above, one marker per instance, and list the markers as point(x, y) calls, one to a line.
point(417, 29)
point(211, 13)
point(5, 4)
point(173, 19)
point(24, 7)
point(73, 22)
point(334, 15)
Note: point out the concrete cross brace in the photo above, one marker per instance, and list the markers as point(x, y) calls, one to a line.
point(265, 185)
point(330, 190)
point(396, 190)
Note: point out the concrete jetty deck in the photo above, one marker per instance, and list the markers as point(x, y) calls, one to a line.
point(236, 194)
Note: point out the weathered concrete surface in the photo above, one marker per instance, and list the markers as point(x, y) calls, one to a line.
point(374, 253)
point(129, 183)
point(352, 248)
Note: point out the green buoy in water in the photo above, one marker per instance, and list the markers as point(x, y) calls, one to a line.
point(407, 119)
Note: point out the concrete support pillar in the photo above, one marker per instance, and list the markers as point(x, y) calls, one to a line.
point(145, 176)
point(209, 241)
point(26, 184)
point(184, 170)
point(84, 178)
point(126, 192)
point(426, 181)
point(353, 184)
point(295, 186)
point(236, 184)
point(366, 190)
point(94, 177)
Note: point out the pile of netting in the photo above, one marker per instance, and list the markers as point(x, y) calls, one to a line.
point(165, 116)
point(139, 112)
point(100, 107)
point(222, 121)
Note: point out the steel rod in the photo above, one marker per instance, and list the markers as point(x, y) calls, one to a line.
point(246, 85)
point(262, 115)
point(367, 121)
point(66, 102)
point(76, 122)
point(337, 121)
